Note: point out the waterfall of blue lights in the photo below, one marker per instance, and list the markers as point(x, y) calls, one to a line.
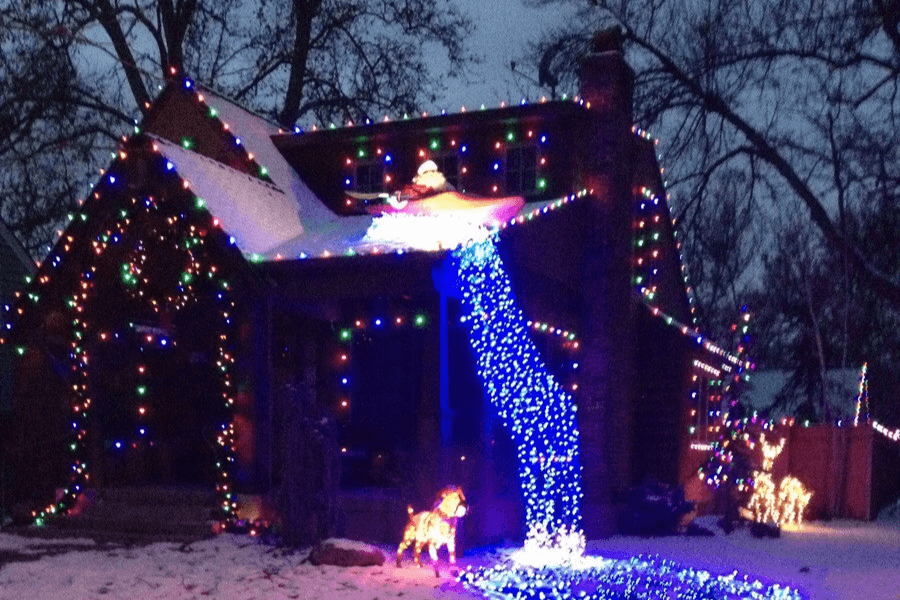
point(537, 412)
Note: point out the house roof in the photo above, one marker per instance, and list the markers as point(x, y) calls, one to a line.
point(285, 219)
point(257, 214)
point(14, 262)
point(779, 394)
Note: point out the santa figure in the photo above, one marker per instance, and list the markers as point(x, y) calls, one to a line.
point(431, 194)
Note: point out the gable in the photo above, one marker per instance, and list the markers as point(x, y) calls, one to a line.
point(14, 263)
point(257, 214)
point(182, 116)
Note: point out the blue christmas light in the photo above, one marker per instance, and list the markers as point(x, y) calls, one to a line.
point(637, 578)
point(537, 412)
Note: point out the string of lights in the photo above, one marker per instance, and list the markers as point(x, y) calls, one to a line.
point(185, 236)
point(343, 359)
point(862, 398)
point(538, 413)
point(891, 434)
point(442, 112)
point(637, 578)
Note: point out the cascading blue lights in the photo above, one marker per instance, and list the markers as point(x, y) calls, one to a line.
point(541, 419)
point(534, 408)
point(637, 578)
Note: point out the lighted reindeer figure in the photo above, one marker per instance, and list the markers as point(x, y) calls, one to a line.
point(792, 500)
point(762, 503)
point(434, 528)
point(783, 505)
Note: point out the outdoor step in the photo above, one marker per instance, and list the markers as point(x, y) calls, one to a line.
point(161, 495)
point(149, 512)
point(141, 514)
point(124, 527)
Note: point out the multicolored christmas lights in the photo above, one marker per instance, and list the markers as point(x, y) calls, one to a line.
point(862, 397)
point(343, 359)
point(185, 236)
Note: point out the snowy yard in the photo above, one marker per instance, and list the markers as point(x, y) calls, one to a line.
point(844, 560)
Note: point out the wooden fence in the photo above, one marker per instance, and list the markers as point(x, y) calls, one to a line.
point(853, 472)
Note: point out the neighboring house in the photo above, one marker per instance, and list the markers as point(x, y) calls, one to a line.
point(776, 394)
point(15, 265)
point(227, 308)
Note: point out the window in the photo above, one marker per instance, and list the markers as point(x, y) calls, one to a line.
point(521, 170)
point(449, 166)
point(369, 177)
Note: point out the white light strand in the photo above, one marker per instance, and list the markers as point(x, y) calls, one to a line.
point(891, 434)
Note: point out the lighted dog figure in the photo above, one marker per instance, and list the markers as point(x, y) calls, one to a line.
point(435, 528)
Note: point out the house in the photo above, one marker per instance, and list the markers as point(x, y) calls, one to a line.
point(257, 311)
point(778, 393)
point(15, 266)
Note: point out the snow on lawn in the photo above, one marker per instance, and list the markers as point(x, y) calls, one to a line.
point(226, 567)
point(841, 560)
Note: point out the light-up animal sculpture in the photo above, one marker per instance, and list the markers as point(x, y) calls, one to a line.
point(435, 528)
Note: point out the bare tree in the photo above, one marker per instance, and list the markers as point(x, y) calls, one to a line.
point(77, 72)
point(807, 91)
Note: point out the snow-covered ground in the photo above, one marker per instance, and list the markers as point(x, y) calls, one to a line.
point(846, 560)
point(838, 560)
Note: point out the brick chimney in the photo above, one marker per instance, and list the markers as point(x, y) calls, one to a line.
point(607, 82)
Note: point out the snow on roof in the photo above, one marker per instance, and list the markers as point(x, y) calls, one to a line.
point(766, 388)
point(353, 235)
point(285, 220)
point(320, 230)
point(10, 241)
point(256, 134)
point(257, 214)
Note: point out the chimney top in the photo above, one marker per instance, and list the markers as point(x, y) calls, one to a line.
point(606, 40)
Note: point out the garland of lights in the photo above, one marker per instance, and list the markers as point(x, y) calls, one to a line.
point(568, 339)
point(651, 212)
point(891, 434)
point(598, 578)
point(862, 396)
point(538, 413)
point(344, 357)
point(443, 112)
point(130, 273)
